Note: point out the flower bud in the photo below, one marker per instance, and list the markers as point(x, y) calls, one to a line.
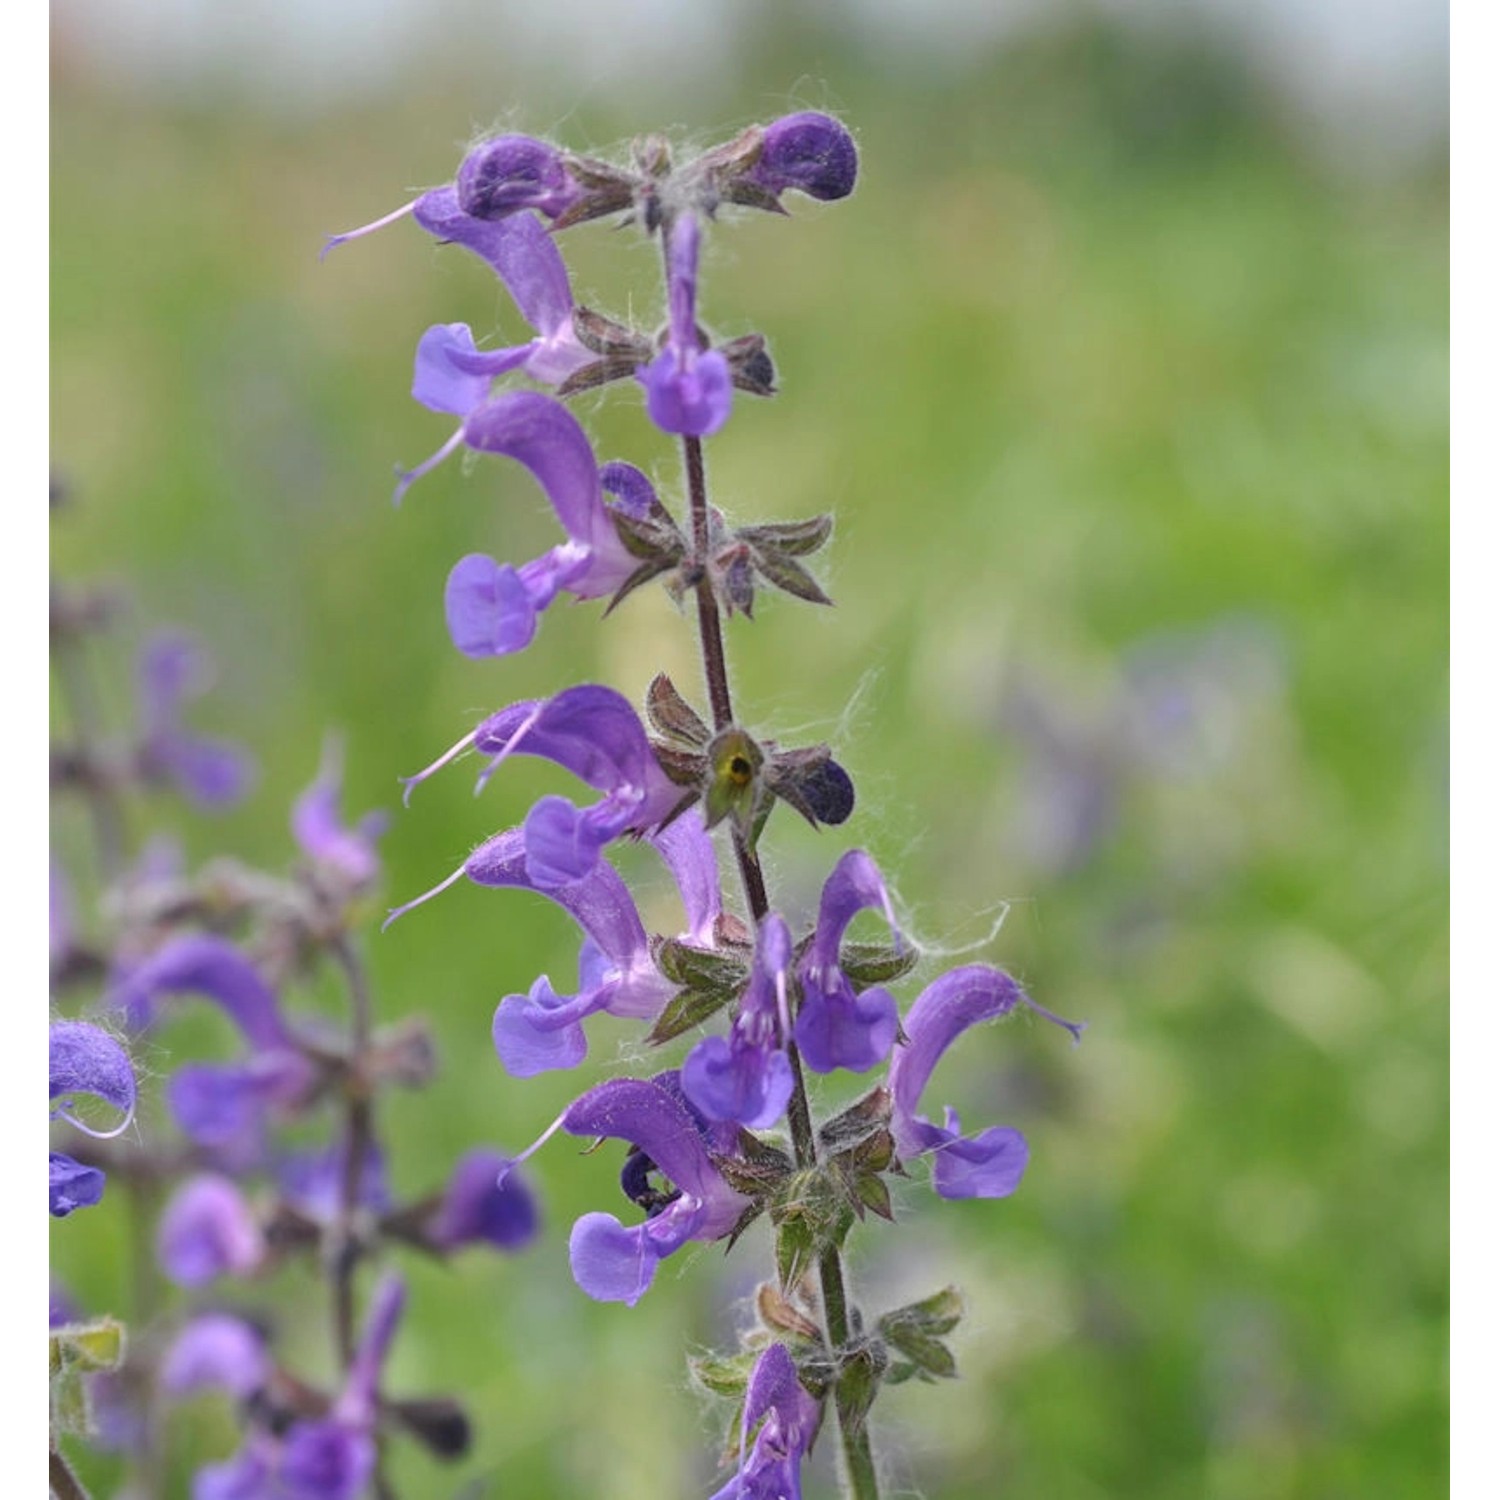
point(514, 172)
point(810, 152)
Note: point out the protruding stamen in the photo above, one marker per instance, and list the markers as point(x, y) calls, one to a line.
point(408, 783)
point(408, 477)
point(1075, 1029)
point(437, 890)
point(524, 728)
point(364, 229)
point(534, 1147)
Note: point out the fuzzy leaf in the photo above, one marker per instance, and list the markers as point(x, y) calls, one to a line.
point(724, 1375)
point(701, 968)
point(672, 715)
point(865, 964)
point(783, 572)
point(795, 538)
point(685, 1010)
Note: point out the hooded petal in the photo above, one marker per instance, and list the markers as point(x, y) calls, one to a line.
point(545, 437)
point(650, 1117)
point(201, 964)
point(808, 152)
point(508, 173)
point(688, 851)
point(85, 1060)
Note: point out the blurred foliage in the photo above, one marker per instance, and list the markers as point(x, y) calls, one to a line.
point(1099, 369)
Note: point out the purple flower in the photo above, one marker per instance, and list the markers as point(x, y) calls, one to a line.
point(208, 1230)
point(323, 837)
point(544, 1030)
point(492, 608)
point(222, 1105)
point(788, 1421)
point(498, 178)
point(82, 1059)
point(332, 1458)
point(748, 1077)
point(485, 1204)
point(216, 1351)
point(837, 1028)
point(313, 1182)
point(987, 1165)
point(689, 389)
point(611, 1262)
point(594, 733)
point(511, 172)
point(174, 670)
point(807, 152)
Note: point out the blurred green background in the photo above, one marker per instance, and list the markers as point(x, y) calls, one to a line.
point(1127, 383)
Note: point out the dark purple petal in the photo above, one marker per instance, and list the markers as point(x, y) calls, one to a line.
point(809, 152)
point(71, 1185)
point(513, 172)
point(479, 1208)
point(216, 1351)
point(748, 1078)
point(959, 999)
point(82, 1059)
point(208, 1230)
point(201, 964)
point(615, 1264)
point(601, 904)
point(629, 489)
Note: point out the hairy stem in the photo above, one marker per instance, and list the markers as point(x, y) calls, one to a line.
point(61, 1480)
point(358, 1133)
point(859, 1461)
